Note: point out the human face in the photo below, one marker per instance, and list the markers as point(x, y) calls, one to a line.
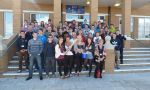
point(60, 40)
point(89, 40)
point(35, 35)
point(22, 34)
point(50, 38)
point(101, 42)
point(40, 32)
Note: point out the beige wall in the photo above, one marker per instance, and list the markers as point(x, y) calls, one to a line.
point(2, 23)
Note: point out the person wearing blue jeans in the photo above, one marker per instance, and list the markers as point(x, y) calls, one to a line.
point(35, 48)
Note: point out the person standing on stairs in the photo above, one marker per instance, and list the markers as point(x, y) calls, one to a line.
point(116, 42)
point(22, 44)
point(35, 48)
point(121, 37)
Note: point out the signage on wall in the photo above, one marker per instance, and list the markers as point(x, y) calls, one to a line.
point(75, 9)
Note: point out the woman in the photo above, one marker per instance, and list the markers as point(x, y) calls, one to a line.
point(68, 57)
point(89, 51)
point(79, 49)
point(100, 56)
point(59, 55)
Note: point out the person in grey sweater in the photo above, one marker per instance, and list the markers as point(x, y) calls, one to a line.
point(35, 48)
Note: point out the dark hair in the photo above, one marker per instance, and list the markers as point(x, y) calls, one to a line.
point(22, 31)
point(50, 35)
point(87, 43)
point(41, 29)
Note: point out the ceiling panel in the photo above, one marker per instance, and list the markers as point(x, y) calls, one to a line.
point(102, 3)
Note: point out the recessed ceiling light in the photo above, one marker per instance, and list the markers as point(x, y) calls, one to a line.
point(88, 2)
point(117, 4)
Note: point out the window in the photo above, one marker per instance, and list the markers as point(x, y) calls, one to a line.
point(8, 24)
point(144, 28)
point(40, 17)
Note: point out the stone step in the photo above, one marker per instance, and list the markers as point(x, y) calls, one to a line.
point(132, 70)
point(135, 61)
point(140, 65)
point(136, 55)
point(137, 49)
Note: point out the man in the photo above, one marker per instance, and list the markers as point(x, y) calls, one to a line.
point(35, 48)
point(49, 52)
point(43, 39)
point(22, 49)
point(29, 33)
point(116, 42)
point(121, 38)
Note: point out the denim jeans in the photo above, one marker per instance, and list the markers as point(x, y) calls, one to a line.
point(50, 65)
point(38, 60)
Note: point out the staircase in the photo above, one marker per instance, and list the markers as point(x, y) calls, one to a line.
point(135, 60)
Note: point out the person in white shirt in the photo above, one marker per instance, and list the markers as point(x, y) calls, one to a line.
point(59, 55)
point(97, 38)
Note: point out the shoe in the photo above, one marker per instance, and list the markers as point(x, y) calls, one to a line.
point(28, 78)
point(47, 76)
point(62, 77)
point(117, 67)
point(67, 76)
point(53, 76)
point(41, 78)
point(19, 71)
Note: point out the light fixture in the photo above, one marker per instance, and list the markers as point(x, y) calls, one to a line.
point(88, 2)
point(117, 4)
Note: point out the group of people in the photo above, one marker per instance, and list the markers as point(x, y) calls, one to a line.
point(72, 45)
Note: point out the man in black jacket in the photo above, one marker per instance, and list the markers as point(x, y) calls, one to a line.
point(22, 50)
point(121, 38)
point(49, 52)
point(116, 42)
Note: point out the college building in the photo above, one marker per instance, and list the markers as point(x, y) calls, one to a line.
point(132, 17)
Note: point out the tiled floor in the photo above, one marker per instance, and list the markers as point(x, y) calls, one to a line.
point(133, 81)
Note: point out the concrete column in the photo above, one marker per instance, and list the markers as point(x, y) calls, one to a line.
point(17, 15)
point(110, 61)
point(57, 12)
point(135, 27)
point(93, 11)
point(126, 12)
point(2, 23)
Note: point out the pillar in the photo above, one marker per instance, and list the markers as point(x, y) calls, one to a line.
point(126, 13)
point(135, 27)
point(57, 12)
point(17, 15)
point(93, 11)
point(1, 23)
point(110, 61)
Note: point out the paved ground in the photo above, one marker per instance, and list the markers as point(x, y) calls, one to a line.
point(134, 81)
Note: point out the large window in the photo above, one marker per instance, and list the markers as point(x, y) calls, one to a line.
point(40, 17)
point(8, 24)
point(82, 17)
point(144, 28)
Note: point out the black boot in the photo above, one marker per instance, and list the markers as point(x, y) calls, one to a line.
point(28, 78)
point(41, 78)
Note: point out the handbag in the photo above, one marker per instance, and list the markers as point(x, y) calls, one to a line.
point(61, 57)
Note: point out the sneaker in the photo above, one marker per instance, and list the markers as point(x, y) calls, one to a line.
point(62, 77)
point(67, 76)
point(41, 78)
point(53, 76)
point(28, 78)
point(19, 71)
